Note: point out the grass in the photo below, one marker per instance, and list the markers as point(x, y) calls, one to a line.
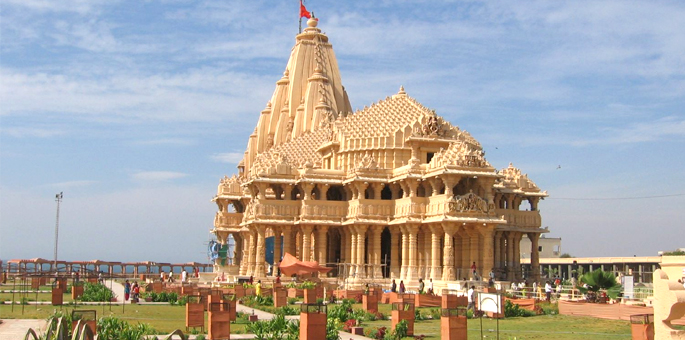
point(558, 327)
point(166, 318)
point(163, 318)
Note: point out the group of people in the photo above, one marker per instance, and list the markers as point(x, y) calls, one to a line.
point(131, 291)
point(422, 287)
point(184, 275)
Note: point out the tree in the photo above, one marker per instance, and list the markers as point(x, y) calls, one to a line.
point(600, 281)
point(565, 256)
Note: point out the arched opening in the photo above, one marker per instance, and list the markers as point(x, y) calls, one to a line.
point(368, 193)
point(316, 193)
point(296, 194)
point(525, 205)
point(386, 246)
point(466, 185)
point(421, 190)
point(335, 193)
point(386, 193)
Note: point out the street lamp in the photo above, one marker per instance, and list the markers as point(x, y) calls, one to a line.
point(58, 199)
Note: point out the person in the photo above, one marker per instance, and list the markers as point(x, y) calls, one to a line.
point(393, 287)
point(197, 272)
point(491, 283)
point(101, 280)
point(366, 289)
point(492, 275)
point(401, 286)
point(251, 279)
point(514, 286)
point(430, 286)
point(258, 288)
point(558, 290)
point(161, 275)
point(471, 298)
point(278, 279)
point(421, 286)
point(535, 289)
point(184, 276)
point(474, 270)
point(127, 290)
point(171, 276)
point(136, 291)
point(78, 276)
point(548, 290)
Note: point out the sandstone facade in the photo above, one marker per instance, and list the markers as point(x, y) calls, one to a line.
point(390, 191)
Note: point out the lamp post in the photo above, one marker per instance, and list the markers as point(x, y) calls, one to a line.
point(58, 199)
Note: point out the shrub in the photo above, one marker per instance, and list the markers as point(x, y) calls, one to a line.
point(111, 328)
point(435, 313)
point(513, 310)
point(276, 328)
point(95, 292)
point(332, 328)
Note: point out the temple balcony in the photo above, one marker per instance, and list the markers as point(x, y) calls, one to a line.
point(524, 219)
point(228, 220)
point(370, 209)
point(272, 210)
point(410, 207)
point(331, 211)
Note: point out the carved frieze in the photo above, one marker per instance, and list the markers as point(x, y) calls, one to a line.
point(470, 203)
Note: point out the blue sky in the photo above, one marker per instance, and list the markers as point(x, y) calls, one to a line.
point(136, 109)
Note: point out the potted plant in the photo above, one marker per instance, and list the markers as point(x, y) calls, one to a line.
point(598, 285)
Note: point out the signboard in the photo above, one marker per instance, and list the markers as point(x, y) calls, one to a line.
point(490, 302)
point(628, 291)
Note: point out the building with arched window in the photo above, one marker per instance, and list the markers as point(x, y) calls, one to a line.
point(390, 191)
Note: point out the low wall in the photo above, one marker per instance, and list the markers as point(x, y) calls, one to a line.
point(615, 311)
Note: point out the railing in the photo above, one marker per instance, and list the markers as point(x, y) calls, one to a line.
point(371, 209)
point(410, 207)
point(334, 211)
point(226, 219)
point(274, 210)
point(520, 218)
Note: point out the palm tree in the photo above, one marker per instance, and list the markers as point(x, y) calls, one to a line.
point(600, 281)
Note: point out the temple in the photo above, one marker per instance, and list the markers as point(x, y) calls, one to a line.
point(390, 191)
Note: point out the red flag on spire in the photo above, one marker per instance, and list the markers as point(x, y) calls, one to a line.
point(304, 12)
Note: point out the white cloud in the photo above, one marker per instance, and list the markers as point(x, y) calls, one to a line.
point(157, 176)
point(228, 157)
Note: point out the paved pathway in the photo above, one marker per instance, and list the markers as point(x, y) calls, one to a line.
point(13, 329)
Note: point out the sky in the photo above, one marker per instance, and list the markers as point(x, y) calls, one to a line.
point(136, 109)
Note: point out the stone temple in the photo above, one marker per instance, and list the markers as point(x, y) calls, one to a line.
point(390, 191)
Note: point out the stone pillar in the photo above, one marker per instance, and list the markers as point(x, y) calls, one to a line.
point(353, 251)
point(277, 247)
point(261, 252)
point(517, 255)
point(376, 231)
point(395, 246)
point(288, 240)
point(498, 248)
point(474, 243)
point(534, 256)
point(412, 269)
point(420, 260)
point(436, 231)
point(238, 250)
point(321, 242)
point(448, 251)
point(405, 253)
point(306, 242)
point(465, 253)
point(488, 233)
point(361, 243)
point(510, 255)
point(252, 244)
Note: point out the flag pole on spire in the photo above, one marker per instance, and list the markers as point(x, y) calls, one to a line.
point(303, 13)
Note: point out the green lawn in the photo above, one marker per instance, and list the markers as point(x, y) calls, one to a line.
point(166, 318)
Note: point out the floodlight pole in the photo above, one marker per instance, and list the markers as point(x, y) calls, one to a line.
point(58, 199)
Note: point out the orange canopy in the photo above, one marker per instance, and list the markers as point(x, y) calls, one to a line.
point(291, 265)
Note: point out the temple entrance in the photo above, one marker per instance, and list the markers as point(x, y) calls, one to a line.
point(385, 251)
